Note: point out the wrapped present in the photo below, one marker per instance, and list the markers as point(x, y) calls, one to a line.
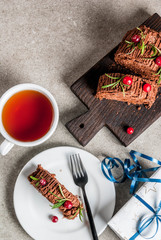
point(140, 217)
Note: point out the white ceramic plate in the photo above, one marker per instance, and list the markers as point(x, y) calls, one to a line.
point(33, 210)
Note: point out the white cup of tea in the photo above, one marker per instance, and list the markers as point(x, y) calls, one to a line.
point(28, 116)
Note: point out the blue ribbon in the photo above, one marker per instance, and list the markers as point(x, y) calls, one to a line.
point(132, 171)
point(136, 174)
point(147, 221)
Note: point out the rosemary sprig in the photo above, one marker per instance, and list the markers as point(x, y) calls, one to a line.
point(74, 214)
point(58, 204)
point(55, 195)
point(141, 46)
point(155, 54)
point(159, 79)
point(59, 200)
point(150, 58)
point(36, 179)
point(37, 184)
point(114, 84)
point(142, 34)
point(80, 213)
point(133, 48)
point(155, 51)
point(61, 191)
point(129, 44)
point(111, 85)
point(158, 73)
point(123, 91)
point(33, 178)
point(111, 76)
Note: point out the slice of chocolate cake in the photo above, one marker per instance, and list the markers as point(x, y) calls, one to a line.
point(55, 192)
point(139, 91)
point(138, 52)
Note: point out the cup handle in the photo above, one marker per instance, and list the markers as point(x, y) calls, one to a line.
point(5, 147)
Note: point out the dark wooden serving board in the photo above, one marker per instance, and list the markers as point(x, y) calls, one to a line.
point(117, 116)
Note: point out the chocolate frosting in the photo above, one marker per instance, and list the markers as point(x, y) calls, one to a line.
point(52, 185)
point(135, 61)
point(134, 93)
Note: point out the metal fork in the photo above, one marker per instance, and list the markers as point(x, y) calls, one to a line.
point(80, 178)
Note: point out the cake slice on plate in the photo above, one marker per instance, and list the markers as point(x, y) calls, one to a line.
point(127, 88)
point(140, 51)
point(47, 184)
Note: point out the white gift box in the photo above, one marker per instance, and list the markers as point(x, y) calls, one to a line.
point(124, 223)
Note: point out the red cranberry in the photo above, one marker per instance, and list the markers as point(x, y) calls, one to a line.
point(54, 219)
point(158, 61)
point(42, 182)
point(130, 130)
point(127, 80)
point(147, 87)
point(68, 204)
point(135, 38)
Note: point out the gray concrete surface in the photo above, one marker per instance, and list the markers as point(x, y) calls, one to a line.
point(52, 43)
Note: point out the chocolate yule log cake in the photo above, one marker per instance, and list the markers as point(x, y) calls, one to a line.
point(47, 184)
point(127, 88)
point(140, 51)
